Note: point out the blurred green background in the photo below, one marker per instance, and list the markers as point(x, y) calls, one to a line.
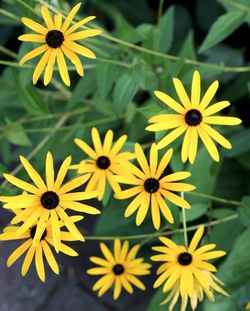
point(151, 42)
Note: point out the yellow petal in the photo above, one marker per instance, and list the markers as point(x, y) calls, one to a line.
point(142, 160)
point(40, 66)
point(85, 148)
point(27, 260)
point(70, 17)
point(180, 90)
point(74, 59)
point(50, 257)
point(33, 53)
point(196, 239)
point(193, 141)
point(32, 38)
point(18, 252)
point(169, 138)
point(50, 67)
point(222, 120)
point(196, 89)
point(79, 24)
point(170, 102)
point(34, 26)
point(216, 136)
point(74, 47)
point(209, 95)
point(83, 34)
point(47, 17)
point(62, 173)
point(209, 144)
point(63, 70)
point(215, 108)
point(33, 174)
point(39, 262)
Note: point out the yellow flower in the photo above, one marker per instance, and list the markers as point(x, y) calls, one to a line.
point(43, 202)
point(57, 40)
point(248, 305)
point(104, 161)
point(185, 271)
point(120, 268)
point(151, 186)
point(194, 118)
point(42, 248)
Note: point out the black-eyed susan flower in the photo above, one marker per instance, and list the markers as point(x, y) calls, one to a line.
point(43, 202)
point(103, 162)
point(186, 272)
point(57, 39)
point(120, 269)
point(151, 186)
point(194, 119)
point(41, 250)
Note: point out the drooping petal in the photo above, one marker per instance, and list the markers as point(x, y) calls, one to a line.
point(74, 59)
point(63, 70)
point(79, 49)
point(34, 53)
point(40, 66)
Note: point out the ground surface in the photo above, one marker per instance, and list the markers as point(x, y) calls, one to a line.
point(71, 291)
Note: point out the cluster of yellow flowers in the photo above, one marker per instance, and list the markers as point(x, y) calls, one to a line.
point(41, 209)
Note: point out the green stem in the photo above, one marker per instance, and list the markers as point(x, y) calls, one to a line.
point(157, 233)
point(184, 223)
point(76, 126)
point(213, 198)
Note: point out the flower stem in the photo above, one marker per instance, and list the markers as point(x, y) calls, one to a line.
point(184, 223)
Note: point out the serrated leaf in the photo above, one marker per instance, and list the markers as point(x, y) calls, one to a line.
point(222, 28)
point(124, 92)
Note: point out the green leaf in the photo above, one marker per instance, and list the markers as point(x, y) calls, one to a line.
point(235, 271)
point(244, 210)
point(151, 110)
point(124, 92)
point(202, 176)
point(165, 31)
point(137, 73)
point(197, 210)
point(240, 142)
point(84, 87)
point(106, 75)
point(31, 100)
point(17, 136)
point(222, 28)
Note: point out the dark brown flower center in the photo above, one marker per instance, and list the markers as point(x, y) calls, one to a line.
point(54, 38)
point(118, 269)
point(151, 185)
point(33, 232)
point(50, 200)
point(103, 162)
point(193, 117)
point(185, 259)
